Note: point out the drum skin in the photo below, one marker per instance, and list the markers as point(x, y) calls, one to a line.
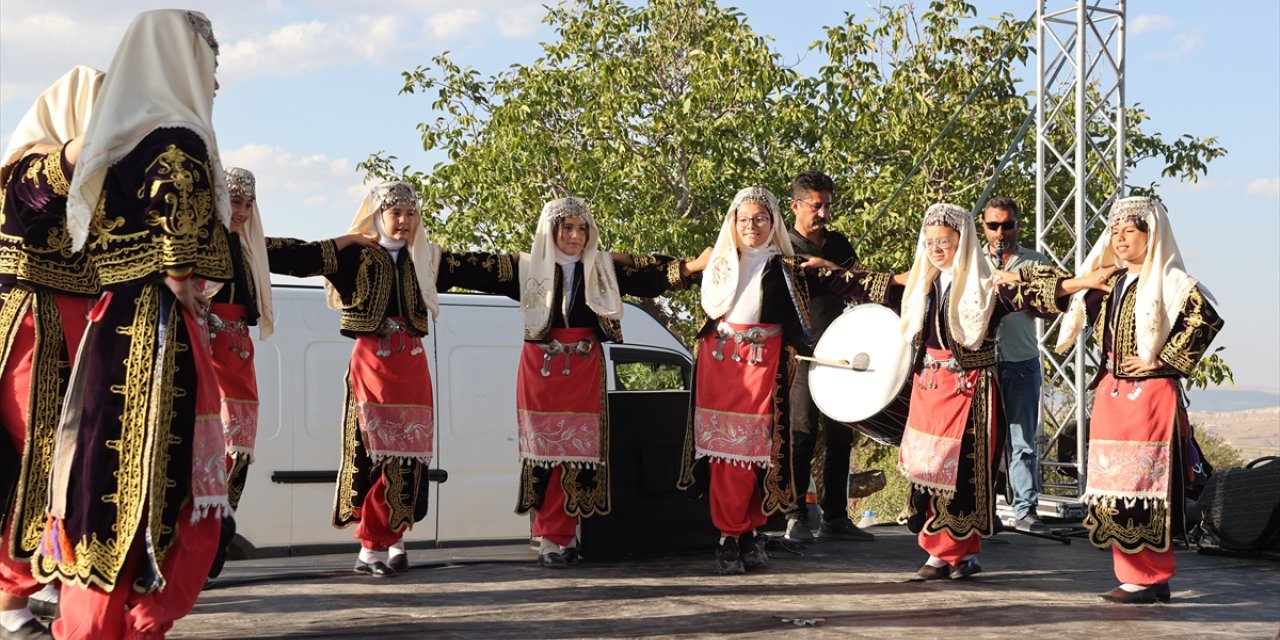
point(873, 401)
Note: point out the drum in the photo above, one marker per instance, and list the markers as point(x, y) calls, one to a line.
point(860, 373)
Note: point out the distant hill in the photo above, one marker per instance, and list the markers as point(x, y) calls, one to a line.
point(1228, 400)
point(1255, 432)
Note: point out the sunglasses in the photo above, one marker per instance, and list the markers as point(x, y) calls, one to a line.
point(1007, 225)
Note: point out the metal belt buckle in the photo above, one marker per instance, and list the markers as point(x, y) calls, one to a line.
point(215, 323)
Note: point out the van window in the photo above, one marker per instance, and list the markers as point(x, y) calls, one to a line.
point(640, 369)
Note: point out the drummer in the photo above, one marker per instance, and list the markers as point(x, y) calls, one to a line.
point(950, 311)
point(811, 195)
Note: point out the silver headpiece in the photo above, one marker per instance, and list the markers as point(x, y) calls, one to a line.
point(758, 195)
point(945, 214)
point(564, 207)
point(240, 182)
point(1132, 209)
point(204, 29)
point(390, 194)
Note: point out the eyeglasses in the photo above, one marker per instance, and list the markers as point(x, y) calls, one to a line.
point(940, 243)
point(755, 221)
point(819, 206)
point(1007, 225)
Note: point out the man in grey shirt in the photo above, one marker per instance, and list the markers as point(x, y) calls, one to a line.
point(1018, 363)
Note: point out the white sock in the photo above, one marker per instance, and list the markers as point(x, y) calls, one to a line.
point(935, 561)
point(1132, 588)
point(48, 594)
point(368, 556)
point(572, 543)
point(547, 546)
point(396, 549)
point(13, 619)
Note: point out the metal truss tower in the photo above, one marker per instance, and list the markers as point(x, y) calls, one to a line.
point(1080, 171)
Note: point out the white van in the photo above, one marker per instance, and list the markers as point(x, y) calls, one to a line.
point(474, 349)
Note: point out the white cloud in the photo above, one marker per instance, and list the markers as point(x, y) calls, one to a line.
point(1182, 44)
point(27, 61)
point(1145, 23)
point(308, 196)
point(259, 37)
point(455, 23)
point(1269, 187)
point(314, 44)
point(286, 171)
point(520, 22)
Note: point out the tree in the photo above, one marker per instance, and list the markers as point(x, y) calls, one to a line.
point(659, 113)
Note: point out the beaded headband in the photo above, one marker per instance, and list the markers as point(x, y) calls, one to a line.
point(240, 182)
point(204, 29)
point(565, 207)
point(1132, 209)
point(946, 215)
point(390, 194)
point(758, 195)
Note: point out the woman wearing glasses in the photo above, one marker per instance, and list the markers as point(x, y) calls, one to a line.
point(755, 295)
point(951, 306)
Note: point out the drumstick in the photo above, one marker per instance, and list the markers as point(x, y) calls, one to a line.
point(861, 362)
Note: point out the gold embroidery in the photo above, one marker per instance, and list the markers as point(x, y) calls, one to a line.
point(416, 309)
point(948, 512)
point(587, 491)
point(1130, 535)
point(236, 479)
point(49, 371)
point(876, 286)
point(160, 532)
point(643, 261)
point(402, 492)
point(402, 478)
point(73, 276)
point(98, 562)
point(1197, 325)
point(506, 268)
point(674, 280)
point(53, 174)
point(345, 492)
point(34, 170)
point(777, 491)
point(178, 204)
point(328, 257)
point(373, 284)
point(1040, 283)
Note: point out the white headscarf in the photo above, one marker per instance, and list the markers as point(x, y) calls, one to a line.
point(1163, 283)
point(425, 254)
point(59, 115)
point(972, 294)
point(736, 271)
point(161, 77)
point(538, 267)
point(253, 243)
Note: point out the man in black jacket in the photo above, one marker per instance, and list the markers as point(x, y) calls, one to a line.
point(811, 195)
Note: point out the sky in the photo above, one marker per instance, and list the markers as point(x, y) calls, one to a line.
point(310, 88)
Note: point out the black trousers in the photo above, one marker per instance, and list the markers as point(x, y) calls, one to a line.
point(806, 421)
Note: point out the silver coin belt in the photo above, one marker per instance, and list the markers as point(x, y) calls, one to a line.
point(755, 336)
point(553, 348)
point(392, 328)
